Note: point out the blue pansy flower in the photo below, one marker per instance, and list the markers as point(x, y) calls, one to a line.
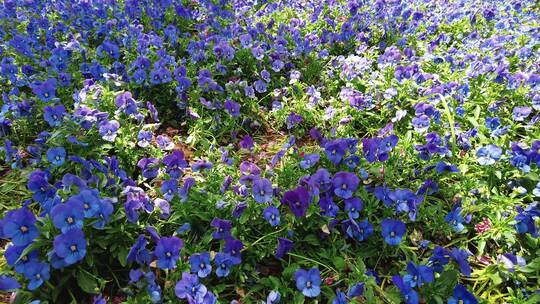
point(353, 206)
point(70, 246)
point(56, 156)
point(8, 283)
point(308, 282)
point(309, 160)
point(460, 257)
point(20, 226)
point(53, 115)
point(273, 297)
point(262, 190)
point(418, 275)
point(345, 184)
point(392, 231)
point(461, 295)
point(37, 274)
point(200, 264)
point(271, 215)
point(69, 215)
point(488, 155)
point(223, 264)
point(410, 295)
point(455, 219)
point(167, 252)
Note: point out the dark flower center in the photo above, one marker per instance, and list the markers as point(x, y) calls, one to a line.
point(24, 229)
point(344, 186)
point(308, 284)
point(392, 233)
point(168, 254)
point(69, 220)
point(73, 248)
point(202, 266)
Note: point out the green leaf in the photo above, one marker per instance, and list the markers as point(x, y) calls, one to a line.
point(87, 282)
point(298, 298)
point(339, 262)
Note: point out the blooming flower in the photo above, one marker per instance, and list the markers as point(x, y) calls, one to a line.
point(70, 246)
point(510, 261)
point(340, 298)
point(149, 167)
point(525, 219)
point(68, 215)
point(439, 258)
point(460, 257)
point(418, 275)
point(284, 246)
point(138, 252)
point(309, 161)
point(356, 290)
point(20, 226)
point(190, 288)
point(335, 150)
point(174, 163)
point(308, 282)
point(232, 108)
point(262, 190)
point(38, 273)
point(169, 188)
point(200, 264)
point(167, 252)
point(273, 297)
point(353, 206)
point(271, 215)
point(223, 228)
point(411, 296)
point(108, 130)
point(488, 155)
point(345, 184)
point(462, 295)
point(53, 115)
point(45, 90)
point(297, 200)
point(392, 231)
point(8, 283)
point(56, 156)
point(405, 201)
point(455, 219)
point(223, 264)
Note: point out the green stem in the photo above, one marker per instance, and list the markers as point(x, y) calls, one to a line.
point(262, 238)
point(450, 122)
point(313, 261)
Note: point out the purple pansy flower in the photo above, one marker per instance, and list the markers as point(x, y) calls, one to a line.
point(345, 184)
point(297, 200)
